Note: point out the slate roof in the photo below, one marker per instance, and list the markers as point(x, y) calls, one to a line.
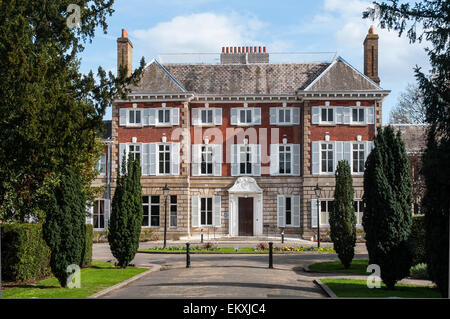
point(252, 79)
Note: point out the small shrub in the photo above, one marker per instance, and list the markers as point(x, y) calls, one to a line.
point(419, 271)
point(262, 246)
point(208, 246)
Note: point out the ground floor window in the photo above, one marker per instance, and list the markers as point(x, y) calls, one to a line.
point(173, 211)
point(288, 210)
point(325, 207)
point(358, 204)
point(151, 211)
point(206, 211)
point(99, 214)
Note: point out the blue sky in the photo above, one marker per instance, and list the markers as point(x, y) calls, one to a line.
point(204, 26)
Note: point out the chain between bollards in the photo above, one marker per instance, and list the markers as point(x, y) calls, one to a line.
point(188, 257)
point(270, 255)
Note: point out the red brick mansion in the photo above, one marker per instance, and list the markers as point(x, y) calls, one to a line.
point(242, 143)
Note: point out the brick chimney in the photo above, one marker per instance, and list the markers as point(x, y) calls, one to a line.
point(124, 52)
point(244, 55)
point(371, 56)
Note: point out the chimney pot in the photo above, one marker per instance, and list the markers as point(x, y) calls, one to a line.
point(124, 33)
point(124, 53)
point(223, 49)
point(259, 49)
point(371, 29)
point(264, 49)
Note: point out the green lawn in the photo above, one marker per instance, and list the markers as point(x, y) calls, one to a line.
point(351, 288)
point(231, 250)
point(93, 279)
point(358, 267)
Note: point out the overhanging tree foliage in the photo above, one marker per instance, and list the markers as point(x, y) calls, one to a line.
point(342, 217)
point(387, 206)
point(126, 213)
point(429, 20)
point(64, 228)
point(50, 112)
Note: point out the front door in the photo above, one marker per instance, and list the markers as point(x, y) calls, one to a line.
point(245, 216)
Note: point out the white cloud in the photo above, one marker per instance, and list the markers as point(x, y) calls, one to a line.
point(201, 32)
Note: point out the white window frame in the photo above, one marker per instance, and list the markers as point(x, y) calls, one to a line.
point(358, 110)
point(291, 168)
point(169, 145)
point(134, 152)
point(327, 212)
point(134, 110)
point(211, 209)
point(247, 111)
point(359, 211)
point(208, 150)
point(164, 123)
point(248, 151)
point(360, 144)
point(333, 151)
point(206, 110)
point(333, 114)
point(150, 205)
point(96, 213)
point(101, 165)
point(291, 200)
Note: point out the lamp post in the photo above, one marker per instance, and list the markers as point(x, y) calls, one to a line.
point(317, 191)
point(166, 194)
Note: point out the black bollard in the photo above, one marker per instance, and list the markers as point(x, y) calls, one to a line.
point(188, 257)
point(282, 237)
point(270, 255)
point(201, 236)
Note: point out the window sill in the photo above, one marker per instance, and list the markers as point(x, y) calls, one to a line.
point(205, 125)
point(326, 124)
point(358, 124)
point(247, 125)
point(134, 125)
point(163, 125)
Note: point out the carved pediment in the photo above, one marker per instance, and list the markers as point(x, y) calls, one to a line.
point(245, 184)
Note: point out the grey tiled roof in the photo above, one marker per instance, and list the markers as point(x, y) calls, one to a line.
point(414, 136)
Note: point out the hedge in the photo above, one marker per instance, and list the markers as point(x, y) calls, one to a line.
point(417, 239)
point(26, 256)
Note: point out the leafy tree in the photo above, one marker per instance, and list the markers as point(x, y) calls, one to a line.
point(126, 213)
point(429, 20)
point(51, 113)
point(64, 228)
point(410, 108)
point(387, 213)
point(342, 216)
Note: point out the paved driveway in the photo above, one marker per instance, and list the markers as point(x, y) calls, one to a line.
point(221, 276)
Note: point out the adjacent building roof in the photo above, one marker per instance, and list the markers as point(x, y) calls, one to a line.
point(413, 135)
point(252, 79)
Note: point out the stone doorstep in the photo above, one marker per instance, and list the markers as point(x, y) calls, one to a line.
point(153, 268)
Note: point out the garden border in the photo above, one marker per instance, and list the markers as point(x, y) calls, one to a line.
point(325, 288)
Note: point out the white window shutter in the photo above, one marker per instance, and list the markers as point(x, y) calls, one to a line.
point(296, 115)
point(315, 115)
point(218, 116)
point(334, 115)
point(339, 115)
point(196, 159)
point(123, 151)
point(145, 159)
point(370, 115)
point(281, 220)
point(175, 158)
point(195, 211)
point(217, 159)
point(153, 158)
point(90, 216)
point(296, 210)
point(217, 211)
point(195, 116)
point(123, 117)
point(233, 116)
point(152, 117)
point(348, 153)
point(347, 115)
point(339, 152)
point(234, 160)
point(107, 212)
point(257, 115)
point(256, 159)
point(314, 213)
point(274, 159)
point(315, 157)
point(145, 116)
point(296, 159)
point(175, 112)
point(368, 146)
point(273, 115)
point(334, 156)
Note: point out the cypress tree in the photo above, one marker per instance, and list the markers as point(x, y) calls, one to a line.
point(342, 216)
point(64, 227)
point(387, 213)
point(126, 213)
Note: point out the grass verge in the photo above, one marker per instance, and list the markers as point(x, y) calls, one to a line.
point(99, 276)
point(352, 288)
point(357, 267)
